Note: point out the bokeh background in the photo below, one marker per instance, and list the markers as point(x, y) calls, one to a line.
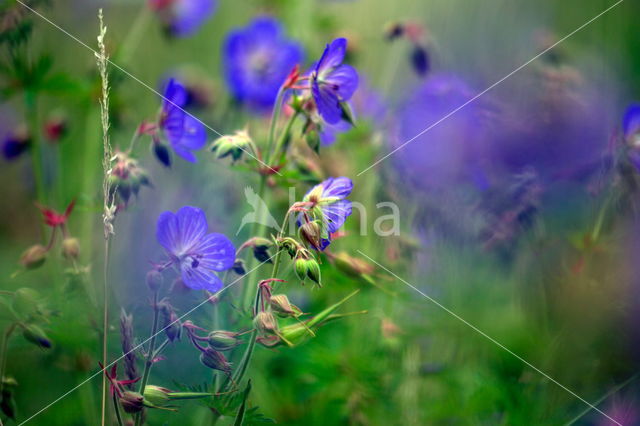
point(518, 213)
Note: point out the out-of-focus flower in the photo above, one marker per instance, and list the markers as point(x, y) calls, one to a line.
point(36, 335)
point(55, 127)
point(15, 144)
point(257, 60)
point(184, 132)
point(34, 256)
point(631, 125)
point(183, 18)
point(333, 82)
point(234, 145)
point(126, 177)
point(54, 219)
point(327, 203)
point(197, 254)
point(450, 151)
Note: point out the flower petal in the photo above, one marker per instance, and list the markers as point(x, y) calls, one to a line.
point(345, 79)
point(327, 102)
point(200, 278)
point(337, 187)
point(336, 214)
point(190, 15)
point(216, 252)
point(175, 95)
point(179, 232)
point(193, 136)
point(332, 56)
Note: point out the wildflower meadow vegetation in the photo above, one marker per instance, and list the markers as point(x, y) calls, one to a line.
point(318, 212)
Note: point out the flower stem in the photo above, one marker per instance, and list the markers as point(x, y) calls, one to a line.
point(116, 408)
point(3, 352)
point(283, 137)
point(274, 121)
point(150, 353)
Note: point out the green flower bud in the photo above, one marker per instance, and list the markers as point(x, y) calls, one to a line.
point(34, 256)
point(313, 271)
point(215, 360)
point(223, 340)
point(301, 268)
point(70, 248)
point(232, 145)
point(312, 233)
point(36, 335)
point(156, 395)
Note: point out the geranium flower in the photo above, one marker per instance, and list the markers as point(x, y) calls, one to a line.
point(257, 60)
point(197, 254)
point(631, 124)
point(182, 18)
point(333, 82)
point(184, 133)
point(327, 203)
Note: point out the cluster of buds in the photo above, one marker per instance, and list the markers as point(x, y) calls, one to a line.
point(36, 255)
point(414, 33)
point(234, 146)
point(305, 263)
point(216, 342)
point(126, 177)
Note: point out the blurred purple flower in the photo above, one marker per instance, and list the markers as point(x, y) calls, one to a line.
point(449, 152)
point(183, 18)
point(14, 145)
point(333, 82)
point(326, 202)
point(198, 254)
point(257, 60)
point(184, 132)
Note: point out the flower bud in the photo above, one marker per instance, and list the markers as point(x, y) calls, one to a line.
point(313, 271)
point(312, 233)
point(54, 128)
point(71, 248)
point(265, 323)
point(301, 268)
point(154, 280)
point(36, 335)
point(215, 360)
point(161, 152)
point(132, 402)
point(282, 307)
point(238, 267)
point(232, 145)
point(34, 256)
point(156, 395)
point(223, 340)
point(169, 320)
point(352, 266)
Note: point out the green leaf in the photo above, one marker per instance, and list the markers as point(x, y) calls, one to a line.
point(241, 411)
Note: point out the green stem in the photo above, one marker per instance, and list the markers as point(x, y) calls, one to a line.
point(3, 352)
point(31, 110)
point(274, 121)
point(283, 137)
point(116, 408)
point(150, 353)
point(258, 231)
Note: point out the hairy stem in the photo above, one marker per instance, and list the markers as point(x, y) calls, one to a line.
point(116, 408)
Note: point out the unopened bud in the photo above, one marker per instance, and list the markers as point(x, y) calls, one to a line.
point(215, 360)
point(238, 267)
point(154, 280)
point(282, 307)
point(170, 322)
point(313, 271)
point(156, 395)
point(352, 266)
point(71, 248)
point(232, 145)
point(132, 402)
point(312, 233)
point(265, 323)
point(301, 268)
point(223, 340)
point(34, 256)
point(161, 152)
point(36, 335)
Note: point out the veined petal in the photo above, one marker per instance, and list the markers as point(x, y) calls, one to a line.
point(337, 187)
point(179, 232)
point(327, 102)
point(190, 15)
point(174, 95)
point(336, 214)
point(215, 252)
point(345, 79)
point(199, 278)
point(332, 56)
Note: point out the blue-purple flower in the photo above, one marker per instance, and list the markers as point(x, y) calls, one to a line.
point(631, 123)
point(327, 205)
point(183, 18)
point(14, 145)
point(184, 132)
point(198, 254)
point(257, 60)
point(333, 82)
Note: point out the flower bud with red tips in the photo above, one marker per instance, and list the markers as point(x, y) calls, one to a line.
point(34, 256)
point(265, 323)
